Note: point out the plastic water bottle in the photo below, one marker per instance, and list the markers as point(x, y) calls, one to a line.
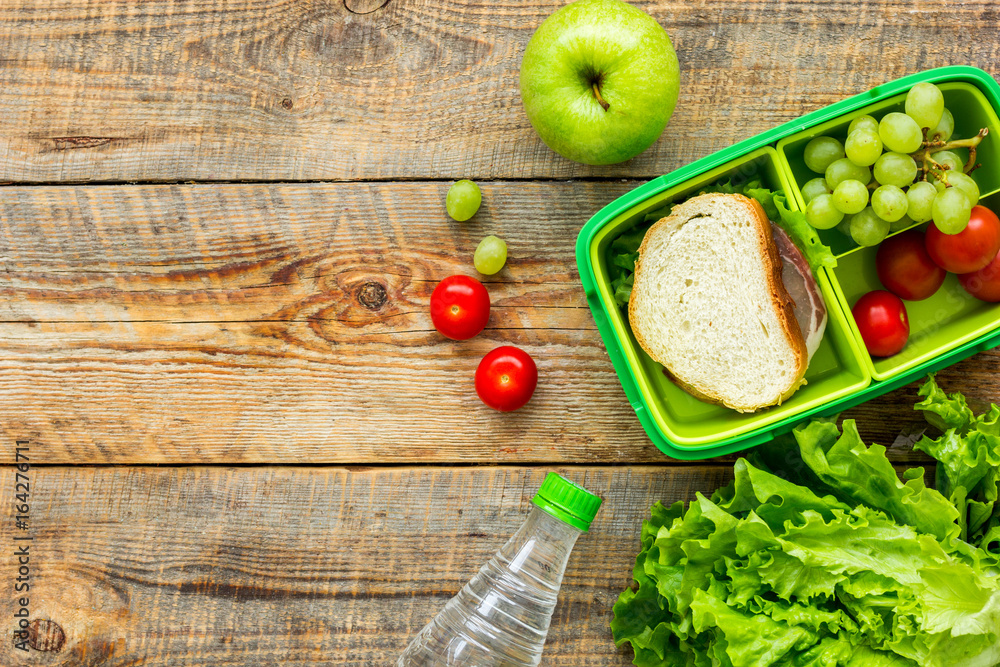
point(502, 615)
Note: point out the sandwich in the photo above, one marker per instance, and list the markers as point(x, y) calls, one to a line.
point(726, 302)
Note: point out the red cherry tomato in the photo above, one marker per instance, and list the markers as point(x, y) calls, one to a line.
point(882, 321)
point(985, 283)
point(460, 307)
point(905, 268)
point(969, 250)
point(506, 378)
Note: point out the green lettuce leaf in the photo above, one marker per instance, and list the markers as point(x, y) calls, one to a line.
point(752, 640)
point(941, 410)
point(857, 474)
point(804, 235)
point(819, 554)
point(864, 656)
point(968, 455)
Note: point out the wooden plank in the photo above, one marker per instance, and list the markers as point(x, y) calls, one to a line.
point(389, 89)
point(279, 566)
point(238, 323)
point(230, 323)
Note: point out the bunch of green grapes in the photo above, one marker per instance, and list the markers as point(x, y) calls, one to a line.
point(892, 173)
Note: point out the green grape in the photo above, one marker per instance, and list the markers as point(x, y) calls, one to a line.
point(815, 187)
point(867, 228)
point(491, 255)
point(925, 104)
point(945, 127)
point(900, 133)
point(895, 169)
point(952, 210)
point(822, 151)
point(844, 170)
point(921, 199)
point(938, 185)
point(850, 196)
point(964, 182)
point(822, 214)
point(862, 123)
point(463, 200)
point(949, 158)
point(901, 224)
point(889, 202)
point(863, 147)
point(844, 226)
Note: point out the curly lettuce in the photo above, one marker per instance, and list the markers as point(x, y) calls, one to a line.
point(819, 554)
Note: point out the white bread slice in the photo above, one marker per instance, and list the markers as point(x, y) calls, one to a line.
point(708, 303)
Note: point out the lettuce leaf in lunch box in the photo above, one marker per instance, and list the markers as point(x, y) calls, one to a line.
point(624, 249)
point(819, 554)
point(804, 235)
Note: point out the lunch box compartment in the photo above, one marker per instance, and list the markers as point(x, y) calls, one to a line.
point(972, 112)
point(945, 328)
point(950, 318)
point(835, 370)
point(946, 320)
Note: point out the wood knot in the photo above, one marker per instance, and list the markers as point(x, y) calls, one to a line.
point(45, 635)
point(364, 6)
point(69, 143)
point(372, 295)
point(287, 103)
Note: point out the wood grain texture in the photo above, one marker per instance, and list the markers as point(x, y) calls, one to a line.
point(255, 324)
point(389, 89)
point(278, 566)
point(290, 323)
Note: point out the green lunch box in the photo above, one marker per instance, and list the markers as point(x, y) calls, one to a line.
point(949, 326)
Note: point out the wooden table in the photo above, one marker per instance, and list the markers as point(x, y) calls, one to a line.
point(220, 230)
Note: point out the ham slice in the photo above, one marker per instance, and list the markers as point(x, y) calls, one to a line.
point(810, 311)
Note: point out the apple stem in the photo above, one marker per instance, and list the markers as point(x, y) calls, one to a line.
point(600, 100)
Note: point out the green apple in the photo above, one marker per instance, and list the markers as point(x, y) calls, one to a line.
point(599, 81)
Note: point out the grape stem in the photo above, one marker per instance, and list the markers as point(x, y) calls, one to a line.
point(971, 164)
point(931, 166)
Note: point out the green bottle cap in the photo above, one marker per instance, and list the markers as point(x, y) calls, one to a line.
point(567, 501)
